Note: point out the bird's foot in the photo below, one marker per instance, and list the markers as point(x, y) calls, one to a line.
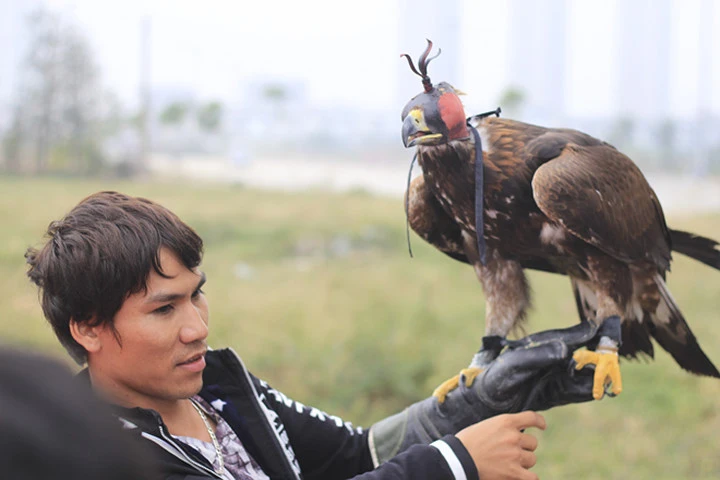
point(467, 375)
point(492, 345)
point(607, 368)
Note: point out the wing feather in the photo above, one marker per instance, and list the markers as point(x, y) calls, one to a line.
point(600, 195)
point(429, 220)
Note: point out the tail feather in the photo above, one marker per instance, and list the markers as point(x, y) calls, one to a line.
point(702, 249)
point(671, 331)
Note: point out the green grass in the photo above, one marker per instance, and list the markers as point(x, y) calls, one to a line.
point(317, 293)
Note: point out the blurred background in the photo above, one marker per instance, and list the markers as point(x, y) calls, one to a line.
point(239, 91)
point(273, 128)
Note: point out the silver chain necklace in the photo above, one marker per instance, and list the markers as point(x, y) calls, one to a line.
point(218, 453)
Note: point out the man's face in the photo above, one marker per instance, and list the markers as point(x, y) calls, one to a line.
point(160, 355)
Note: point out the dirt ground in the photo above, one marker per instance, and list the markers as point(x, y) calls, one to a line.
point(678, 194)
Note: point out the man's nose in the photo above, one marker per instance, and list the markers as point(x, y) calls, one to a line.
point(195, 325)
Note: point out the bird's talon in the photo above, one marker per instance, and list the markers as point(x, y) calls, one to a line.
point(585, 357)
point(446, 387)
point(607, 371)
point(467, 375)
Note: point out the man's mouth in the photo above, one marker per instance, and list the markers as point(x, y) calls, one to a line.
point(195, 363)
point(192, 359)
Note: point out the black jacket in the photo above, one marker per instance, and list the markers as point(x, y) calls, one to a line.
point(288, 439)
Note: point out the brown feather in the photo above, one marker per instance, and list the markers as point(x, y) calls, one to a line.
point(561, 201)
point(599, 195)
point(429, 220)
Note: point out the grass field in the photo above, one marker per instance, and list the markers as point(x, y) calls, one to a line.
point(317, 293)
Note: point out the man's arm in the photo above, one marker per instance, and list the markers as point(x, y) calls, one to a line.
point(532, 375)
point(327, 447)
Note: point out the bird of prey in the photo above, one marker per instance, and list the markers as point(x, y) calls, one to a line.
point(556, 200)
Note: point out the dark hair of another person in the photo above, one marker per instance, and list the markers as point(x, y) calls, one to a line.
point(100, 253)
point(54, 428)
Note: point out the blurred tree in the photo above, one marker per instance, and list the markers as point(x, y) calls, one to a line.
point(12, 145)
point(58, 115)
point(275, 93)
point(174, 114)
point(80, 109)
point(512, 101)
point(173, 118)
point(209, 117)
point(41, 97)
point(277, 96)
point(189, 126)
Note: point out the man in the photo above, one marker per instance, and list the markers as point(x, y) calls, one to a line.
point(122, 289)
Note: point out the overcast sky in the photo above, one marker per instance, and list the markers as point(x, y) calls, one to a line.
point(347, 52)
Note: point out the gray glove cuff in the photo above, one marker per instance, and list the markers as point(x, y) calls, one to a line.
point(425, 422)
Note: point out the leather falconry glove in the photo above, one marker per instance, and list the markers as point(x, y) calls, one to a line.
point(534, 373)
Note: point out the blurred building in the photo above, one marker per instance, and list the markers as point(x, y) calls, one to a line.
point(707, 136)
point(536, 60)
point(644, 29)
point(647, 32)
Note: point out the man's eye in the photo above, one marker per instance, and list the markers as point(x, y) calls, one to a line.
point(197, 292)
point(164, 310)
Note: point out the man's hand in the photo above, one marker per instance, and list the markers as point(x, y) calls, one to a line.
point(500, 449)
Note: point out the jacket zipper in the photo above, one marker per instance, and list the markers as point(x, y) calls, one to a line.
point(167, 443)
point(256, 402)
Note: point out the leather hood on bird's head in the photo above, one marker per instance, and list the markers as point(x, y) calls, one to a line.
point(442, 109)
point(427, 100)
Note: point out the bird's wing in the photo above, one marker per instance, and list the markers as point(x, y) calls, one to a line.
point(428, 219)
point(599, 195)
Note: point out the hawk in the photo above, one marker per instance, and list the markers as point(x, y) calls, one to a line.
point(556, 200)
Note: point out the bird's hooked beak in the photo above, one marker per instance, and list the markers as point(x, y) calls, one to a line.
point(415, 131)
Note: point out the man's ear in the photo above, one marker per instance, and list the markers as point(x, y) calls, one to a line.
point(86, 334)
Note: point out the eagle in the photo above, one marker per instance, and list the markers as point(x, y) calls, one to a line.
point(556, 200)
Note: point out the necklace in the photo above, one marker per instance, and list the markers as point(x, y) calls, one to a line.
point(218, 453)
